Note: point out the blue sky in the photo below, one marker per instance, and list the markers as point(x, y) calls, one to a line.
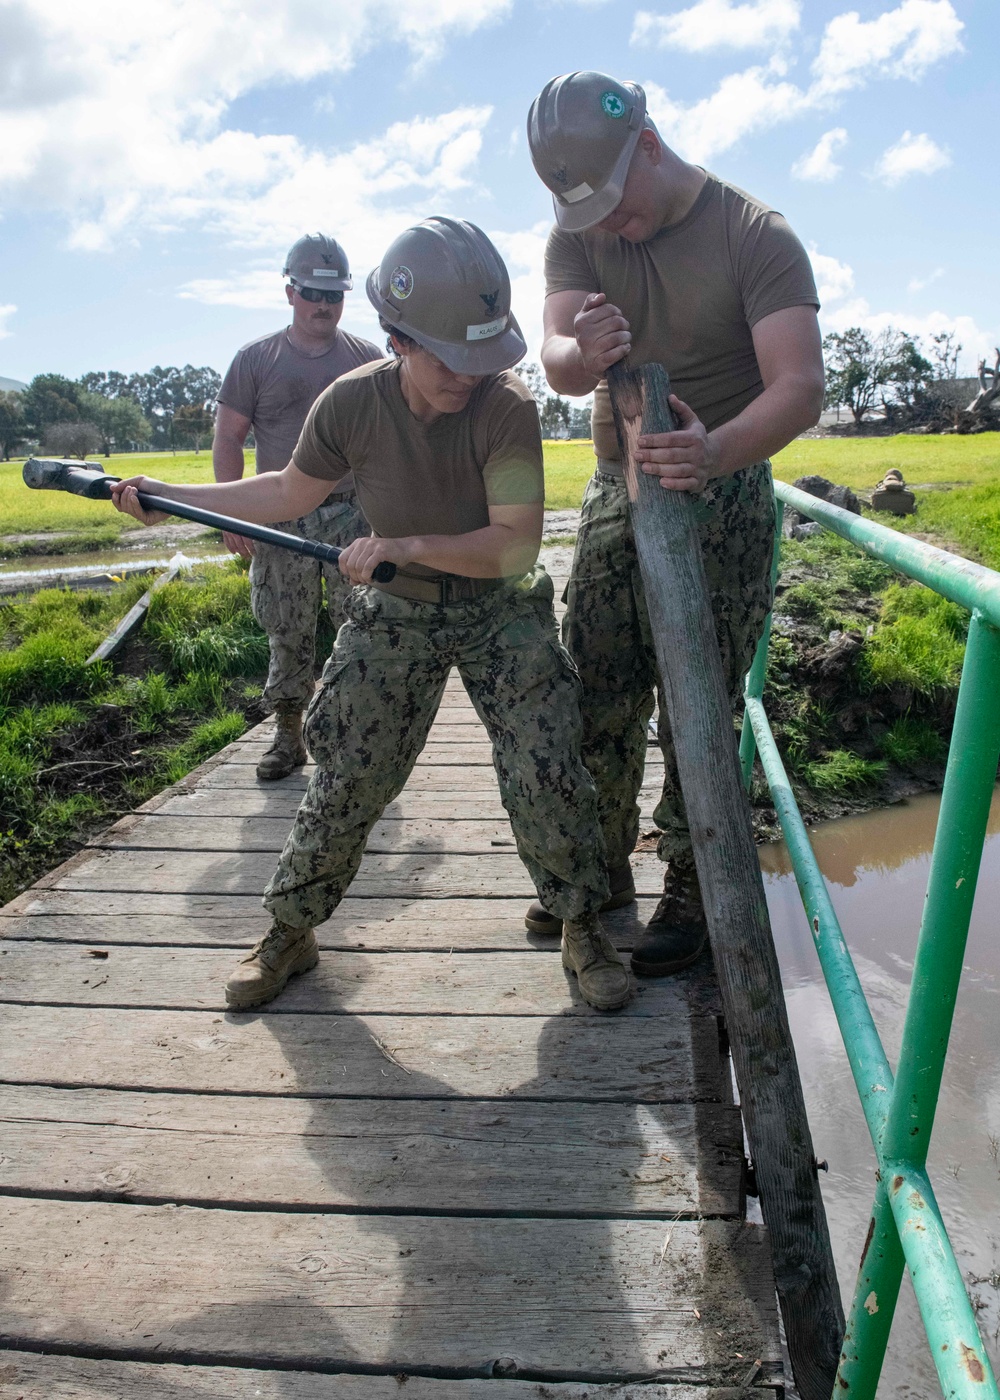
point(157, 160)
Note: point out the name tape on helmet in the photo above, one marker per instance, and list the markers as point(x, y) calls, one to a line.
point(574, 195)
point(483, 332)
point(326, 271)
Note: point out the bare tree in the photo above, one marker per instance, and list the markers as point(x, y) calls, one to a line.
point(989, 386)
point(74, 439)
point(945, 354)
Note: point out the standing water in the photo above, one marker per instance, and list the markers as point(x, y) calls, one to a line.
point(876, 868)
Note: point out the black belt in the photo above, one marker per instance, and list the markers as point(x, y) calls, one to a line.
point(449, 588)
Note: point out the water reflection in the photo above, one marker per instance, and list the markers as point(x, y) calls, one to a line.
point(876, 867)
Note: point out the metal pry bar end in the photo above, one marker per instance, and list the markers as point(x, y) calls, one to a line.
point(61, 474)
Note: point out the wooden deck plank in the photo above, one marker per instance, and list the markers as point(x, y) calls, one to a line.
point(263, 800)
point(31, 1376)
point(427, 876)
point(580, 1299)
point(449, 752)
point(235, 921)
point(441, 778)
point(322, 1154)
point(424, 983)
point(635, 1059)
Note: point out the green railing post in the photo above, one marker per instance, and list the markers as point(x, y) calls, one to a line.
point(874, 1304)
point(753, 686)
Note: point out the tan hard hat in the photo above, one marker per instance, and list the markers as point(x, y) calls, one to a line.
point(317, 260)
point(444, 284)
point(582, 131)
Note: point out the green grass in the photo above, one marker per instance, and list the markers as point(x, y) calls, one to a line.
point(862, 462)
point(919, 643)
point(24, 512)
point(568, 468)
point(842, 772)
point(77, 741)
point(913, 741)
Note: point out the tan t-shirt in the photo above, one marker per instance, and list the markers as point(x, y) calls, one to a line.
point(691, 294)
point(416, 478)
point(275, 385)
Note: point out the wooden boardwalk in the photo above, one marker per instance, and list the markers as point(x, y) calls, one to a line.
point(427, 1171)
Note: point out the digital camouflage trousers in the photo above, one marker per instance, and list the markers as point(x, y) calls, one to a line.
point(606, 630)
point(285, 595)
point(369, 721)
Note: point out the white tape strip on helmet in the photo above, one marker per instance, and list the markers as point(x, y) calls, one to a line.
point(574, 195)
point(326, 271)
point(484, 332)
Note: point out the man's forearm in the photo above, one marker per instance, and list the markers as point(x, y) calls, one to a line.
point(785, 409)
point(564, 368)
point(227, 458)
point(493, 552)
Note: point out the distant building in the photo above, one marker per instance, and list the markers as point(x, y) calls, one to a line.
point(12, 384)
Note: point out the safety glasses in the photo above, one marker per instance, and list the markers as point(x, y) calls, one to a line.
point(315, 294)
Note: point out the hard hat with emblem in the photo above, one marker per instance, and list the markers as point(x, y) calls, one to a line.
point(582, 130)
point(317, 260)
point(444, 285)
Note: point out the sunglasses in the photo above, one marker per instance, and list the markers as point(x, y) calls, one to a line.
point(315, 294)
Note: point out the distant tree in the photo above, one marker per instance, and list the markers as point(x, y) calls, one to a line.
point(11, 420)
point(557, 416)
point(945, 354)
point(119, 420)
point(194, 422)
point(579, 422)
point(863, 370)
point(160, 392)
point(76, 439)
point(910, 373)
point(48, 399)
point(110, 384)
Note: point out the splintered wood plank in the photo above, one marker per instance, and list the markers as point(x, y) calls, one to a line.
point(427, 876)
point(636, 1059)
point(590, 1298)
point(36, 1377)
point(426, 984)
point(263, 800)
point(461, 1155)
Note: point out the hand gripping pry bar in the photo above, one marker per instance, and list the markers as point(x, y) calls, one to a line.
point(89, 479)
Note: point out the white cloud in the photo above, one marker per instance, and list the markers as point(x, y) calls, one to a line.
point(5, 314)
point(901, 43)
point(917, 284)
point(843, 308)
point(742, 104)
point(911, 155)
point(819, 164)
point(118, 114)
point(524, 254)
point(261, 290)
point(716, 24)
point(834, 280)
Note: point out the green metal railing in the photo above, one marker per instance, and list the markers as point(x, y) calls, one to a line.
point(906, 1228)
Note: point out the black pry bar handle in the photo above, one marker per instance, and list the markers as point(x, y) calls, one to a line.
point(96, 485)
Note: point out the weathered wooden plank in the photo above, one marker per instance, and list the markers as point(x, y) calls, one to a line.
point(637, 1059)
point(263, 800)
point(425, 983)
point(382, 925)
point(32, 1376)
point(431, 877)
point(136, 615)
point(452, 752)
point(179, 833)
point(665, 528)
point(482, 1158)
point(599, 1298)
point(480, 778)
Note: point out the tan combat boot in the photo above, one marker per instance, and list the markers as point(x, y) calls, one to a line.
point(539, 920)
point(600, 973)
point(288, 750)
point(283, 952)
